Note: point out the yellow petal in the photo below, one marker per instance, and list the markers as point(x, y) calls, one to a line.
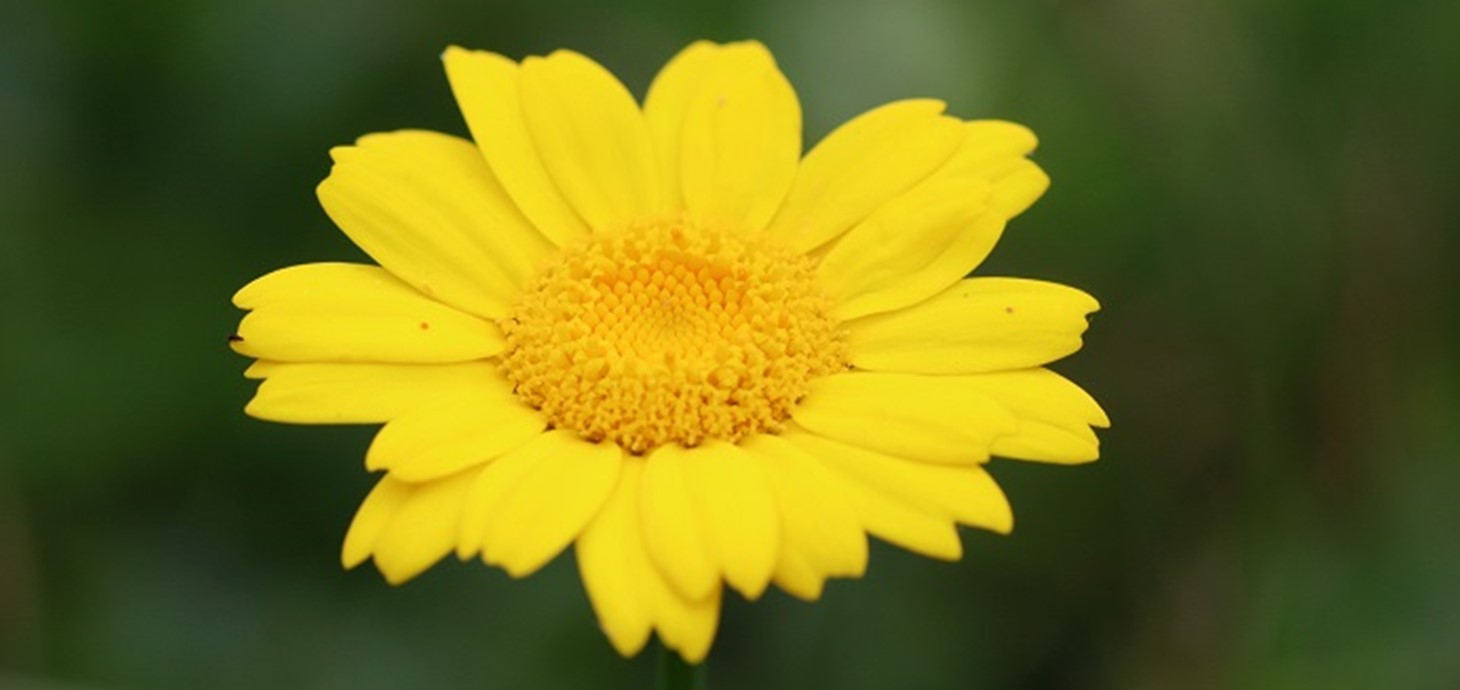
point(1018, 189)
point(306, 393)
point(487, 89)
point(1054, 414)
point(912, 248)
point(627, 591)
point(674, 533)
point(551, 505)
point(921, 417)
point(354, 313)
point(260, 370)
point(1043, 442)
point(978, 325)
point(738, 513)
point(687, 625)
point(994, 151)
point(741, 139)
point(988, 146)
point(432, 442)
point(820, 533)
point(428, 209)
point(374, 515)
point(897, 523)
point(863, 164)
point(407, 527)
point(919, 529)
point(665, 107)
point(795, 576)
point(591, 137)
point(965, 493)
point(615, 568)
point(1039, 393)
point(496, 482)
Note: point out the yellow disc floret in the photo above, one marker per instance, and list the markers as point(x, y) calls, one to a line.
point(669, 332)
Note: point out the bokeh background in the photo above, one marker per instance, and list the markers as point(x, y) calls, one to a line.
point(1261, 192)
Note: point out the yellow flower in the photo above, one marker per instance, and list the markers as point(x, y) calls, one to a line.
point(664, 337)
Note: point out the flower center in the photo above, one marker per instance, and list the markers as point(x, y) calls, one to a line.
point(669, 332)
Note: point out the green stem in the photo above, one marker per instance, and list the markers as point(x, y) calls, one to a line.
point(674, 674)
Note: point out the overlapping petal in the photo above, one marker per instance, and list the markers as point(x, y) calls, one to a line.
point(428, 208)
point(727, 127)
point(591, 138)
point(860, 166)
point(675, 531)
point(910, 526)
point(820, 536)
point(978, 325)
point(733, 499)
point(1054, 415)
point(995, 151)
point(528, 505)
point(406, 527)
point(912, 248)
point(667, 105)
point(930, 418)
point(444, 438)
point(487, 87)
point(551, 504)
point(964, 493)
point(924, 240)
point(909, 503)
point(314, 393)
point(628, 591)
point(332, 312)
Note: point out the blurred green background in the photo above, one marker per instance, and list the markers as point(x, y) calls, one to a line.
point(1261, 192)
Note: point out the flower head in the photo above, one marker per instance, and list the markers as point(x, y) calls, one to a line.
point(663, 337)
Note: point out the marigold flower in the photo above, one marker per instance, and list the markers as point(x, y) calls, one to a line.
point(662, 336)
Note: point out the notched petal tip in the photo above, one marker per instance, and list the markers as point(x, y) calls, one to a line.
point(1010, 135)
point(917, 106)
point(455, 54)
point(338, 154)
point(756, 48)
point(1014, 193)
point(456, 58)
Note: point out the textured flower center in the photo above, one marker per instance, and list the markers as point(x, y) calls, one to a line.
point(669, 332)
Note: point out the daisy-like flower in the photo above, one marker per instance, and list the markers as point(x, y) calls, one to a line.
point(662, 336)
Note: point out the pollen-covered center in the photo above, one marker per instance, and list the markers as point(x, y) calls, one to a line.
point(668, 332)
